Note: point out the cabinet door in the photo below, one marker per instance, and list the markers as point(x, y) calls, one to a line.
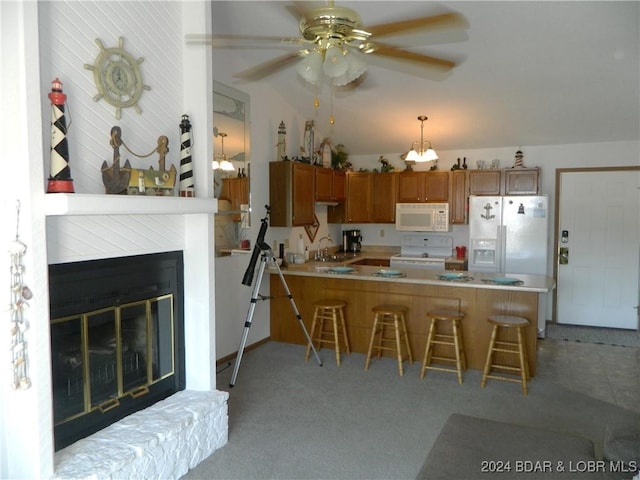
point(436, 186)
point(522, 181)
point(339, 185)
point(411, 187)
point(458, 194)
point(324, 190)
point(384, 186)
point(484, 182)
point(359, 205)
point(303, 196)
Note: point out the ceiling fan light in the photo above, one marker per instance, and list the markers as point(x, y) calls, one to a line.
point(310, 67)
point(335, 63)
point(357, 66)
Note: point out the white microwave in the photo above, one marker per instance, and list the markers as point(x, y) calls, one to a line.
point(422, 217)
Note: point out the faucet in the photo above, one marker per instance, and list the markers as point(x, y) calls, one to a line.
point(325, 252)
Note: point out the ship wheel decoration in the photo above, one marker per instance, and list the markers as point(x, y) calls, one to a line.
point(118, 78)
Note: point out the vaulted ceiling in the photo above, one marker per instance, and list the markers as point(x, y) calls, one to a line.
point(529, 73)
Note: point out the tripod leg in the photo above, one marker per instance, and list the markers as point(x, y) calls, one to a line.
point(247, 323)
point(298, 316)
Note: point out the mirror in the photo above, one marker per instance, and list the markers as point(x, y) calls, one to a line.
point(231, 185)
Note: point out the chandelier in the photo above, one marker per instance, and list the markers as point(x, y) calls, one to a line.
point(220, 162)
point(425, 152)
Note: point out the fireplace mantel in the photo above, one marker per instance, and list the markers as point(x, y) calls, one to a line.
point(91, 204)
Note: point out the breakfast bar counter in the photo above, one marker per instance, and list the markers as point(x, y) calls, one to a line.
point(362, 287)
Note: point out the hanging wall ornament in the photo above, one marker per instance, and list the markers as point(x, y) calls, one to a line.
point(18, 326)
point(60, 180)
point(186, 186)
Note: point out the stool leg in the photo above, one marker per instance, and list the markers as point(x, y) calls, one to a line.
point(456, 341)
point(427, 350)
point(406, 338)
point(524, 367)
point(373, 336)
point(336, 337)
point(344, 332)
point(463, 355)
point(396, 325)
point(313, 327)
point(487, 363)
point(382, 325)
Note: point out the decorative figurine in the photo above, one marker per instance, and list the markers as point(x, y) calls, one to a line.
point(518, 163)
point(309, 142)
point(132, 181)
point(282, 142)
point(186, 186)
point(60, 180)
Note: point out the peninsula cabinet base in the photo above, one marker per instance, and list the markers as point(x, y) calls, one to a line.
point(361, 296)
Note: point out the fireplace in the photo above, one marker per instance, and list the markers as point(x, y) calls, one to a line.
point(117, 339)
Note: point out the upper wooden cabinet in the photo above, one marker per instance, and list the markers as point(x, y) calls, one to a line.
point(509, 181)
point(420, 187)
point(385, 187)
point(359, 197)
point(236, 190)
point(458, 196)
point(291, 194)
point(521, 181)
point(330, 185)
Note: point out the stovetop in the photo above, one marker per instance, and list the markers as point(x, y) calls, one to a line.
point(431, 248)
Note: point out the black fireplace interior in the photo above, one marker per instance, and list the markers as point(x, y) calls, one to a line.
point(117, 339)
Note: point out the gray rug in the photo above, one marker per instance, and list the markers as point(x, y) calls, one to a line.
point(290, 419)
point(605, 336)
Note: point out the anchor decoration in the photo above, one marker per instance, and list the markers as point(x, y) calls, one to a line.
point(126, 180)
point(487, 209)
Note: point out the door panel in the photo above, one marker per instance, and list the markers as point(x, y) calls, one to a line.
point(597, 280)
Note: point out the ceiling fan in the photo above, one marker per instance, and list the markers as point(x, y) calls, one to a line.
point(334, 44)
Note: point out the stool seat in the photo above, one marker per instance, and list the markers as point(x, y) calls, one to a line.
point(508, 321)
point(389, 316)
point(439, 337)
point(517, 348)
point(329, 333)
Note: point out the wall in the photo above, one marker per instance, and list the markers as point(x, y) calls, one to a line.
point(44, 40)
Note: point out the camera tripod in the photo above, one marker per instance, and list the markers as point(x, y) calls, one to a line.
point(263, 250)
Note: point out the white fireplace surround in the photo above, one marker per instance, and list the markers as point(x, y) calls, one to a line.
point(89, 227)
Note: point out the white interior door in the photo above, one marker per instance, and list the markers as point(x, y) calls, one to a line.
point(599, 248)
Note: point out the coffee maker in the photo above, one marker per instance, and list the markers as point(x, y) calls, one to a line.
point(351, 241)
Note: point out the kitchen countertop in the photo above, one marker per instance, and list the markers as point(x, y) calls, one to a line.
point(531, 283)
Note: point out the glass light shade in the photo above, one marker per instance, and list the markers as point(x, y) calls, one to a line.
point(310, 67)
point(226, 166)
point(356, 67)
point(335, 64)
point(413, 156)
point(215, 165)
point(429, 155)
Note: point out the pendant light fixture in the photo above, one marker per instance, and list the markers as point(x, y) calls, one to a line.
point(220, 162)
point(425, 152)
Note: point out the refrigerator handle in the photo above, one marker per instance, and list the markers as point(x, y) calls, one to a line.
point(498, 260)
point(503, 248)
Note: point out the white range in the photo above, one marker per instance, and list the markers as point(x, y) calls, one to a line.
point(423, 251)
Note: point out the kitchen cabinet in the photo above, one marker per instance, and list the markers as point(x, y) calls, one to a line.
point(521, 181)
point(330, 185)
point(236, 191)
point(421, 187)
point(509, 181)
point(291, 194)
point(358, 204)
point(458, 197)
point(485, 182)
point(385, 187)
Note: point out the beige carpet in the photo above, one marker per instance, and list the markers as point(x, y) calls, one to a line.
point(291, 419)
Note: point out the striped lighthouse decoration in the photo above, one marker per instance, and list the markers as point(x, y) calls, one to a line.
point(186, 187)
point(60, 179)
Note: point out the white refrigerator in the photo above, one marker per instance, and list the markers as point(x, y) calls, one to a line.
point(509, 235)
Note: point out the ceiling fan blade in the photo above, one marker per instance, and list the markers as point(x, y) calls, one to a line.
point(264, 69)
point(435, 21)
point(417, 58)
point(242, 41)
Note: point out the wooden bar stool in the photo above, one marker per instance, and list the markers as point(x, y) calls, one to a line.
point(517, 348)
point(329, 332)
point(453, 339)
point(392, 316)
